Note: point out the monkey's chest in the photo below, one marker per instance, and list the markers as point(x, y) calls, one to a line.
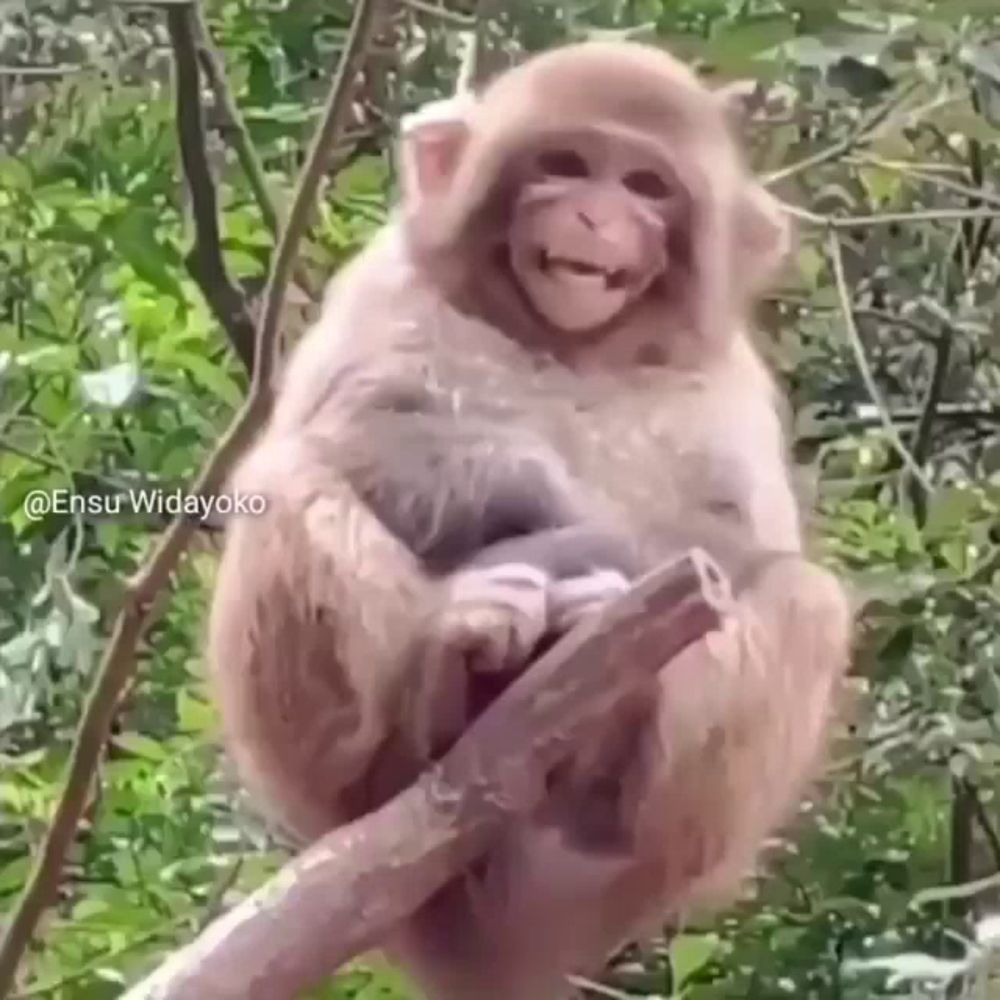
point(646, 454)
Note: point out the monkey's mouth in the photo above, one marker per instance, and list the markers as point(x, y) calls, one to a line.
point(576, 270)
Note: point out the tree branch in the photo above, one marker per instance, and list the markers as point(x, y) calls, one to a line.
point(140, 609)
point(324, 142)
point(926, 177)
point(837, 262)
point(453, 18)
point(342, 895)
point(861, 133)
point(985, 823)
point(928, 412)
point(204, 262)
point(234, 128)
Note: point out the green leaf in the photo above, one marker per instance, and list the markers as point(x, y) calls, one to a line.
point(882, 186)
point(141, 746)
point(133, 235)
point(193, 714)
point(689, 952)
point(211, 377)
point(113, 387)
point(740, 48)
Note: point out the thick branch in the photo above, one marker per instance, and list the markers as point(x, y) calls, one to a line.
point(205, 261)
point(343, 894)
point(141, 610)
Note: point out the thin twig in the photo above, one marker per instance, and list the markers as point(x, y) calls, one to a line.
point(928, 411)
point(601, 989)
point(325, 140)
point(204, 262)
point(216, 901)
point(922, 330)
point(925, 177)
point(889, 218)
point(454, 18)
point(43, 72)
point(103, 961)
point(903, 218)
point(234, 128)
point(140, 607)
point(985, 823)
point(968, 249)
point(861, 133)
point(837, 261)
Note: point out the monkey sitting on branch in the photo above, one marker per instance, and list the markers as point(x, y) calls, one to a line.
point(535, 385)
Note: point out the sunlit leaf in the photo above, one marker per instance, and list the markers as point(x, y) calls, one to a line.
point(113, 387)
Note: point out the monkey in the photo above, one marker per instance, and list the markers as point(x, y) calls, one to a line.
point(536, 383)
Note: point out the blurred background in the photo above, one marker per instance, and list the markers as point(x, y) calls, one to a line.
point(120, 366)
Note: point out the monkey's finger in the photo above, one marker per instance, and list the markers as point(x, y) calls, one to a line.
point(517, 586)
point(572, 599)
point(496, 639)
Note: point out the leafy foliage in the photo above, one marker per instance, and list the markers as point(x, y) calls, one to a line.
point(114, 376)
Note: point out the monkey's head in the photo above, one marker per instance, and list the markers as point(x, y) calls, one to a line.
point(591, 184)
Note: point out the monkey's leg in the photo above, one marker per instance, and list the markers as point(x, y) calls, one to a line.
point(314, 604)
point(742, 722)
point(737, 732)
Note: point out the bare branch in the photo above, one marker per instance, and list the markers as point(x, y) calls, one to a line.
point(141, 607)
point(342, 895)
point(889, 218)
point(234, 128)
point(324, 142)
point(914, 173)
point(837, 261)
point(864, 131)
point(904, 218)
point(204, 262)
point(985, 822)
point(453, 18)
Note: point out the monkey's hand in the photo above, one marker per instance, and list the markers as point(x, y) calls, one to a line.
point(574, 598)
point(483, 634)
point(487, 630)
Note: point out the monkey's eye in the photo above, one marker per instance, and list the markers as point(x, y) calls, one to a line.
point(563, 163)
point(646, 184)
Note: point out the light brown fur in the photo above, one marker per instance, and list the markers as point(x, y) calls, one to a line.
point(318, 604)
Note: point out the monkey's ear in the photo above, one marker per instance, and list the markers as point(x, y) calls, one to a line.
point(764, 236)
point(431, 144)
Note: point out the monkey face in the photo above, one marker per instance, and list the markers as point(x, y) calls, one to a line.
point(589, 226)
point(589, 197)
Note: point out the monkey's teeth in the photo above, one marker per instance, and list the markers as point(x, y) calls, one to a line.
point(582, 281)
point(581, 267)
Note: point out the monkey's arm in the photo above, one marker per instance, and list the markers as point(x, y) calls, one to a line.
point(449, 485)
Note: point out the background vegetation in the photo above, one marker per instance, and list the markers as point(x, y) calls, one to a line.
point(879, 123)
